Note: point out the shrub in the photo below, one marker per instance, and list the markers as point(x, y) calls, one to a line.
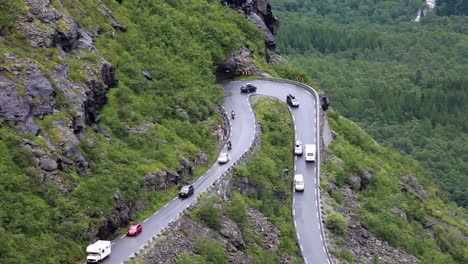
point(237, 209)
point(211, 250)
point(336, 223)
point(209, 212)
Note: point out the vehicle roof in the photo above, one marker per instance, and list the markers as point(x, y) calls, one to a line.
point(298, 176)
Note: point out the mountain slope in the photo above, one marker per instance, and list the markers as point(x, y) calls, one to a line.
point(84, 151)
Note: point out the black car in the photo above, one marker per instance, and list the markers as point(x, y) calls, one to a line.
point(186, 191)
point(247, 88)
point(292, 101)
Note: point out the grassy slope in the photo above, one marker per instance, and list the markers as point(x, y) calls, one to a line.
point(443, 244)
point(178, 42)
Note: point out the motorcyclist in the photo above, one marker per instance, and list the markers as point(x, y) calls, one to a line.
point(233, 115)
point(229, 144)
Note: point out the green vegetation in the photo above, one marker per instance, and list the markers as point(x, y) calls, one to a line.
point(405, 83)
point(336, 223)
point(443, 243)
point(179, 42)
point(209, 211)
point(208, 251)
point(266, 169)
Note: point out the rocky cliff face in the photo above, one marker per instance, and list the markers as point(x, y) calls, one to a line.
point(237, 63)
point(38, 86)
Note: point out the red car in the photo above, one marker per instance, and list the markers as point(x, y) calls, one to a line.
point(134, 230)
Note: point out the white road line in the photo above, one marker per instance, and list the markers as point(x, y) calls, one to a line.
point(298, 237)
point(308, 92)
point(295, 127)
point(129, 256)
point(246, 150)
point(328, 261)
point(145, 220)
point(174, 198)
point(317, 215)
point(294, 119)
point(165, 206)
point(295, 224)
point(142, 247)
point(318, 225)
point(121, 237)
point(112, 243)
point(324, 249)
point(294, 212)
point(316, 202)
point(305, 260)
point(295, 167)
point(315, 191)
point(302, 248)
point(294, 199)
point(321, 237)
point(156, 212)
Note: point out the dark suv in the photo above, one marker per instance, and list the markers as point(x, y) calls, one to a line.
point(186, 191)
point(292, 101)
point(247, 88)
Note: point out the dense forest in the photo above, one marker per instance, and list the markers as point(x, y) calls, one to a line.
point(404, 82)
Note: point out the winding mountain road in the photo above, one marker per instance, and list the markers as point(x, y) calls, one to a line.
point(306, 205)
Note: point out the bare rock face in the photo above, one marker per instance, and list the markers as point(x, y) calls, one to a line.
point(259, 12)
point(248, 187)
point(411, 184)
point(121, 215)
point(263, 227)
point(237, 63)
point(185, 170)
point(35, 98)
point(27, 93)
point(202, 159)
point(160, 180)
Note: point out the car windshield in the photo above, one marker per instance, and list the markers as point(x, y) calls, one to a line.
point(133, 227)
point(310, 154)
point(299, 182)
point(185, 188)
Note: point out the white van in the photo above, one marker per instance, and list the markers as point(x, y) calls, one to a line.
point(299, 183)
point(310, 152)
point(98, 251)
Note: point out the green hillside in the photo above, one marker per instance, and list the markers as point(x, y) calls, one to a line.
point(404, 82)
point(424, 225)
point(178, 42)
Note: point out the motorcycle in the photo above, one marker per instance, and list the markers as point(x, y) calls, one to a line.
point(229, 145)
point(233, 115)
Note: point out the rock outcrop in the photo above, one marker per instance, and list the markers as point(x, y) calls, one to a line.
point(239, 62)
point(183, 235)
point(30, 92)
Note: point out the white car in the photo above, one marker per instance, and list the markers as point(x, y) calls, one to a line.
point(223, 158)
point(299, 183)
point(298, 148)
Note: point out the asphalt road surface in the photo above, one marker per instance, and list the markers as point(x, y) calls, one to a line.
point(306, 210)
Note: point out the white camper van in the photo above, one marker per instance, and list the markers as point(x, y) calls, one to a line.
point(299, 183)
point(310, 152)
point(98, 251)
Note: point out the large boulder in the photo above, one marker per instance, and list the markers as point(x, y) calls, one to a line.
point(160, 180)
